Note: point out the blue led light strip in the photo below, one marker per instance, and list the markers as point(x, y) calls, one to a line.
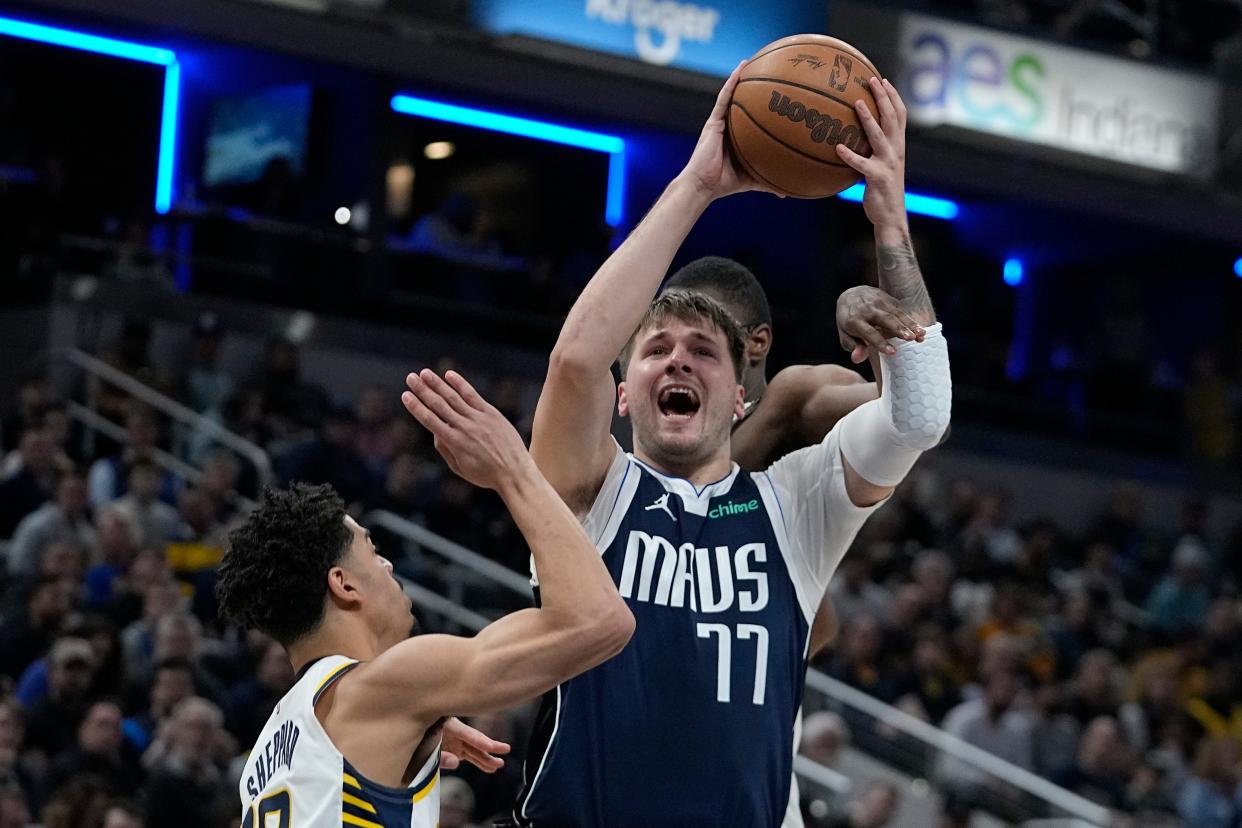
point(923, 205)
point(142, 53)
point(530, 128)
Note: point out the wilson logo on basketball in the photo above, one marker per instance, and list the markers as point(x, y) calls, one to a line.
point(824, 128)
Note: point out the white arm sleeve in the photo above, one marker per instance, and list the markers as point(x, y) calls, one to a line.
point(819, 519)
point(883, 438)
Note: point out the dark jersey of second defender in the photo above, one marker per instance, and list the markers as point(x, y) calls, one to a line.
point(691, 725)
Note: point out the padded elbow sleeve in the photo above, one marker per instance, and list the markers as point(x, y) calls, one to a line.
point(883, 438)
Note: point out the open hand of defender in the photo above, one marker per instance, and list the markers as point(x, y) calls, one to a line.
point(885, 171)
point(475, 439)
point(712, 167)
point(867, 318)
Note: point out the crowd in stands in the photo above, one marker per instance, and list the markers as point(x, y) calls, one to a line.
point(1106, 661)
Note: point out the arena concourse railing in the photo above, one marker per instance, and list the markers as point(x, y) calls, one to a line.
point(100, 372)
point(899, 740)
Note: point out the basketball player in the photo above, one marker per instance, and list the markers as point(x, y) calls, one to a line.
point(803, 402)
point(357, 739)
point(692, 724)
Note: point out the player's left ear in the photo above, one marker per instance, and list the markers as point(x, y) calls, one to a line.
point(623, 407)
point(739, 404)
point(758, 343)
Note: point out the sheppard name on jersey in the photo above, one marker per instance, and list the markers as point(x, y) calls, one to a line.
point(712, 578)
point(277, 753)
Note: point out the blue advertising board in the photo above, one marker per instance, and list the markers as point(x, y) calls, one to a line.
point(704, 35)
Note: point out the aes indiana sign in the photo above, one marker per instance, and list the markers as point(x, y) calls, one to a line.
point(704, 35)
point(1057, 96)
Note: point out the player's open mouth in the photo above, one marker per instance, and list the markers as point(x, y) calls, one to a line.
point(678, 402)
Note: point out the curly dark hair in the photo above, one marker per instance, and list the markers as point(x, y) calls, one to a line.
point(274, 574)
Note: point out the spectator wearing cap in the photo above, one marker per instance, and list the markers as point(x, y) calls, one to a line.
point(66, 516)
point(100, 751)
point(51, 724)
point(26, 635)
point(1181, 600)
point(34, 482)
point(157, 521)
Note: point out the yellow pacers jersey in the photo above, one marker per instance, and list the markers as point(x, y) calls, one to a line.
point(296, 778)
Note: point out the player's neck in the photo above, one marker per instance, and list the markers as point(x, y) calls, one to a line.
point(336, 637)
point(700, 474)
point(755, 381)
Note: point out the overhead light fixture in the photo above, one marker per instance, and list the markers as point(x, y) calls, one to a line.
point(439, 150)
point(530, 128)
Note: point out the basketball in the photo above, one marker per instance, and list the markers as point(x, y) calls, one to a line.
point(793, 104)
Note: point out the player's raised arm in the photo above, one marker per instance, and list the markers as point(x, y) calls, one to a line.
point(881, 440)
point(581, 622)
point(571, 441)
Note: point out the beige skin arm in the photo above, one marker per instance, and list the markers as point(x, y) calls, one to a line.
point(582, 620)
point(571, 442)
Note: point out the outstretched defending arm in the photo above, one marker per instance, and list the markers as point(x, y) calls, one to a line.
point(571, 441)
point(581, 621)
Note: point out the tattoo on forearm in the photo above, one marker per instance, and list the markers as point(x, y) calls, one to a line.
point(901, 278)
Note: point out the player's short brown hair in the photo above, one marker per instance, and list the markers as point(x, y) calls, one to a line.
point(693, 307)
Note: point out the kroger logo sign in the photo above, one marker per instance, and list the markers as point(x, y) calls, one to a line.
point(659, 25)
point(703, 35)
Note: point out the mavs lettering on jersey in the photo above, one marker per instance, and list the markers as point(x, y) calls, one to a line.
point(692, 724)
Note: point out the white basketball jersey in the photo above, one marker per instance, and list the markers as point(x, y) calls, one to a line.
point(295, 776)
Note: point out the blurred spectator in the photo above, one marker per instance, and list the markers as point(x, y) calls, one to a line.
point(157, 520)
point(66, 516)
point(33, 396)
point(374, 443)
point(824, 736)
point(456, 803)
point(109, 476)
point(289, 405)
point(32, 484)
point(27, 635)
point(858, 660)
point(186, 765)
point(161, 598)
point(331, 457)
point(929, 690)
point(1008, 617)
point(80, 802)
point(933, 572)
point(19, 768)
point(1218, 710)
point(99, 751)
point(1102, 767)
point(199, 543)
point(206, 387)
point(129, 591)
point(853, 592)
point(993, 723)
point(252, 701)
point(221, 472)
point(123, 814)
point(873, 808)
point(1212, 797)
point(173, 683)
point(117, 545)
point(14, 810)
point(51, 725)
point(1180, 601)
point(136, 263)
point(401, 493)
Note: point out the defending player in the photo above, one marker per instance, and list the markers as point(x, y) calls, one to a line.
point(691, 725)
point(357, 739)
